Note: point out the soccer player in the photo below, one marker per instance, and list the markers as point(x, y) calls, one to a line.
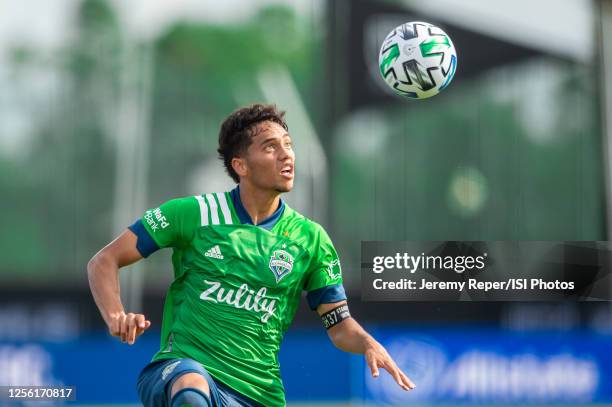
point(241, 260)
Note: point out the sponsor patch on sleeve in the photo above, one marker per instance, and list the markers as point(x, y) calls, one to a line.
point(156, 219)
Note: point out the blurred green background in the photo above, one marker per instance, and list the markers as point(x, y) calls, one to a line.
point(509, 152)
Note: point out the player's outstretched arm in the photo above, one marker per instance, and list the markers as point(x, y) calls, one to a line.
point(103, 275)
point(349, 336)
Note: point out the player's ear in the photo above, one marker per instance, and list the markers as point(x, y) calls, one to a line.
point(239, 165)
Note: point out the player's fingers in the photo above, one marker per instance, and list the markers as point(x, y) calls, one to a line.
point(399, 380)
point(371, 361)
point(407, 380)
point(146, 325)
point(395, 372)
point(140, 321)
point(123, 328)
point(125, 332)
point(132, 327)
point(143, 325)
point(140, 324)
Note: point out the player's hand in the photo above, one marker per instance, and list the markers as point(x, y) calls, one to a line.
point(128, 327)
point(377, 356)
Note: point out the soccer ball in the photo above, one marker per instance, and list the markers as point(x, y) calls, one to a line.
point(417, 60)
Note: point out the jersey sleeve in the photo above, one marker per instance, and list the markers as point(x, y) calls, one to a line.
point(173, 223)
point(324, 280)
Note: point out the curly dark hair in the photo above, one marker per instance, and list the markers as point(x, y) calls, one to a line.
point(237, 130)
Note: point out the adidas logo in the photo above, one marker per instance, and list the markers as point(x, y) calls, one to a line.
point(214, 252)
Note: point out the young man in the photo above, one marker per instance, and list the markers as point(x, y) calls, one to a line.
point(241, 260)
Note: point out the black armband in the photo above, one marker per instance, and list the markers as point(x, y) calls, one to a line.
point(335, 316)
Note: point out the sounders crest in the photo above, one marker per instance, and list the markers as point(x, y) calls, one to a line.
point(281, 264)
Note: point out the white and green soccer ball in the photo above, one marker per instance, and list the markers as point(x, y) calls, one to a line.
point(417, 60)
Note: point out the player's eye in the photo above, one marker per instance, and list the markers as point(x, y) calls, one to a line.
point(270, 147)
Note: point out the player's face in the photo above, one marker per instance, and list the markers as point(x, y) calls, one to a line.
point(270, 158)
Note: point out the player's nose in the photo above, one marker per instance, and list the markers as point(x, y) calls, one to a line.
point(286, 155)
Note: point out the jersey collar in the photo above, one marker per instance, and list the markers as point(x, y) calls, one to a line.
point(244, 216)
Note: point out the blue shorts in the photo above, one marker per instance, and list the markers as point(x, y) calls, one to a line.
point(156, 379)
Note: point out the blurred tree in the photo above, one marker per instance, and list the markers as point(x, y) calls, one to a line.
point(59, 208)
point(60, 200)
point(203, 72)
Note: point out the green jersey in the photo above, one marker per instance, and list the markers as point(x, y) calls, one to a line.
point(237, 287)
